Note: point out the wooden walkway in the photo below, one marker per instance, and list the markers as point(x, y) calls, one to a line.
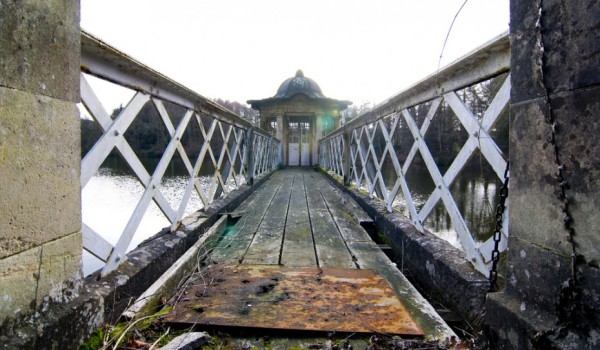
point(296, 219)
point(298, 259)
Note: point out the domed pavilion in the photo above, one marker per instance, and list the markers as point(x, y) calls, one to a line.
point(299, 115)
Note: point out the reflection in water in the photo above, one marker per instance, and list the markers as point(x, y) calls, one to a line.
point(474, 192)
point(110, 197)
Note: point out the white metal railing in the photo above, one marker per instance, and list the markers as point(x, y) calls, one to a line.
point(246, 151)
point(350, 151)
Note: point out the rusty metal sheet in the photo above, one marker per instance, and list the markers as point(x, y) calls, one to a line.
point(305, 298)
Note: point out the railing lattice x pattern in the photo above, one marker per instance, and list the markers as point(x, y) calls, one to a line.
point(366, 164)
point(331, 154)
point(231, 164)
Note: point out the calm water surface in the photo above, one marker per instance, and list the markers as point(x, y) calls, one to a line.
point(474, 192)
point(110, 197)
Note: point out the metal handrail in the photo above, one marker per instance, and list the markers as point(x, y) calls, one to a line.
point(254, 150)
point(483, 63)
point(349, 150)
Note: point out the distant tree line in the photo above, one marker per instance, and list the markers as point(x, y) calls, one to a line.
point(240, 109)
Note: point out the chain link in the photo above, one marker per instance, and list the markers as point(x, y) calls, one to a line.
point(493, 277)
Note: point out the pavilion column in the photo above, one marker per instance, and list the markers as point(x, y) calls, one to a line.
point(552, 294)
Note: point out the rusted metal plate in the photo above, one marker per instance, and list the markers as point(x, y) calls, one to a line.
point(305, 298)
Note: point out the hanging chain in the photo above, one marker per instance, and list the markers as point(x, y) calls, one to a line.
point(570, 309)
point(498, 231)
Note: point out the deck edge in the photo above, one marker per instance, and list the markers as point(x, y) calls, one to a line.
point(436, 266)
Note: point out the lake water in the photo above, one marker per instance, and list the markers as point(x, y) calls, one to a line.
point(111, 196)
point(475, 194)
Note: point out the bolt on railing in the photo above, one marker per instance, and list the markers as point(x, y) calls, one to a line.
point(359, 150)
point(246, 151)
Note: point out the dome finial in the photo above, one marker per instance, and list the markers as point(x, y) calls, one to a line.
point(300, 73)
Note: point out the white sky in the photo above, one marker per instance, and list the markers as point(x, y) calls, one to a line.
point(358, 50)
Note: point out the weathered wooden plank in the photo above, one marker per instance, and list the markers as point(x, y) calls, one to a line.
point(329, 245)
point(265, 248)
point(347, 224)
point(369, 256)
point(298, 246)
point(235, 242)
point(313, 195)
point(359, 214)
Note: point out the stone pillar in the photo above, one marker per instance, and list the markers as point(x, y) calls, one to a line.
point(555, 95)
point(280, 137)
point(279, 134)
point(40, 211)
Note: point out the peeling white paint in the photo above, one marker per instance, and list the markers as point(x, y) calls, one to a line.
point(523, 307)
point(523, 254)
point(527, 274)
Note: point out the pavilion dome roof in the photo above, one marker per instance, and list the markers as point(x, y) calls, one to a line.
point(299, 84)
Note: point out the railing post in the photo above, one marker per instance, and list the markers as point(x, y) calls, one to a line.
point(250, 156)
point(346, 161)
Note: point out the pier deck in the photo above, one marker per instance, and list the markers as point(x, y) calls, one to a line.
point(298, 258)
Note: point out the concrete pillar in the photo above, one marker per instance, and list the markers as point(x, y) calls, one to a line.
point(279, 134)
point(558, 85)
point(280, 137)
point(40, 211)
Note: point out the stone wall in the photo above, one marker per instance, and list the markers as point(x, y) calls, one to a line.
point(555, 101)
point(40, 216)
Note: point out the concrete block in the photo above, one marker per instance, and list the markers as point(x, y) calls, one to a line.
point(571, 43)
point(535, 275)
point(571, 47)
point(60, 264)
point(511, 327)
point(527, 309)
point(18, 282)
point(39, 168)
point(524, 53)
point(28, 278)
point(538, 218)
point(40, 41)
point(577, 114)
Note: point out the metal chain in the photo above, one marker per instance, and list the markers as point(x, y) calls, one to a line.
point(498, 231)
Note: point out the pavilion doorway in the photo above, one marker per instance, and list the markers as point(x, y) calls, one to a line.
point(299, 136)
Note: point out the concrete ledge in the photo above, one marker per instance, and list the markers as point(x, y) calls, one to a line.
point(39, 168)
point(60, 324)
point(440, 269)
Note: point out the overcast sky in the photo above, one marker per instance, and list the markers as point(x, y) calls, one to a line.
point(244, 49)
